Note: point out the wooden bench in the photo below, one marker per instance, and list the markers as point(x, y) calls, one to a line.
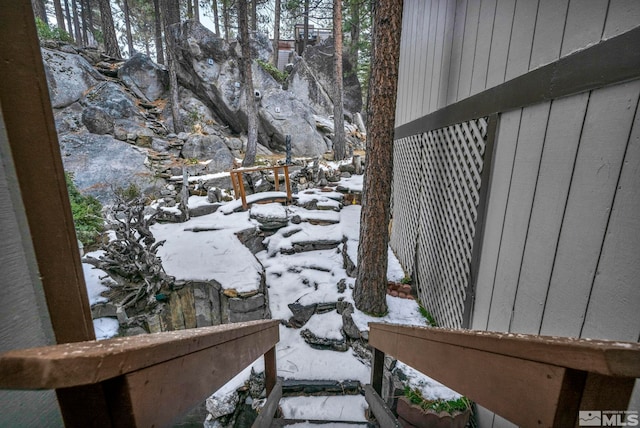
point(533, 381)
point(238, 183)
point(141, 381)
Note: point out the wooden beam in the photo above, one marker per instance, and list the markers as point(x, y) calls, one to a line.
point(529, 380)
point(26, 108)
point(270, 369)
point(379, 409)
point(76, 364)
point(265, 418)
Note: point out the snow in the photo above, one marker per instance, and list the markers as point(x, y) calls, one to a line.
point(95, 285)
point(105, 327)
point(207, 248)
point(230, 207)
point(353, 183)
point(349, 408)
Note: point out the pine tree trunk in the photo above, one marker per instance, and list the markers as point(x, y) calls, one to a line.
point(89, 17)
point(305, 25)
point(355, 32)
point(158, 32)
point(254, 15)
point(247, 78)
point(371, 283)
point(76, 23)
point(59, 15)
point(171, 15)
point(189, 9)
point(216, 20)
point(67, 10)
point(196, 10)
point(108, 30)
point(127, 23)
point(276, 34)
point(83, 23)
point(39, 11)
point(226, 19)
point(339, 143)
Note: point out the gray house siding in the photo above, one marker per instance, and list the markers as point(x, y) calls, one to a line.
point(556, 246)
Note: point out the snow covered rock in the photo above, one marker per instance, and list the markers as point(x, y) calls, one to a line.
point(223, 405)
point(270, 216)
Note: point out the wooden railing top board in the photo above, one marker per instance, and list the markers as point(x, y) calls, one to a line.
point(611, 358)
point(84, 363)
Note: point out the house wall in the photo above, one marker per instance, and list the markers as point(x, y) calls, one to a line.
point(24, 319)
point(560, 249)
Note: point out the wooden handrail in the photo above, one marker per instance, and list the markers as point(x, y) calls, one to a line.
point(146, 380)
point(238, 183)
point(533, 381)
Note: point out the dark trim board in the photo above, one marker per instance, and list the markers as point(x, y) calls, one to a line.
point(612, 61)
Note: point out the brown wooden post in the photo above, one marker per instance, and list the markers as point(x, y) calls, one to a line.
point(270, 369)
point(243, 195)
point(287, 182)
point(377, 370)
point(276, 180)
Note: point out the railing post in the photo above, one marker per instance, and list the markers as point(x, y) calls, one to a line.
point(270, 369)
point(377, 370)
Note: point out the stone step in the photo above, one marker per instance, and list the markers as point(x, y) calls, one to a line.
point(303, 423)
point(295, 387)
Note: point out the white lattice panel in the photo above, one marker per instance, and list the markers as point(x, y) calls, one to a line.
point(437, 178)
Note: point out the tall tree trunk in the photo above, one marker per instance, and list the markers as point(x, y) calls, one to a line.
point(355, 32)
point(158, 33)
point(247, 77)
point(171, 15)
point(305, 25)
point(254, 15)
point(59, 15)
point(67, 10)
point(90, 26)
point(39, 10)
point(216, 20)
point(276, 34)
point(76, 23)
point(371, 283)
point(226, 19)
point(339, 143)
point(196, 10)
point(83, 23)
point(127, 24)
point(108, 31)
point(189, 9)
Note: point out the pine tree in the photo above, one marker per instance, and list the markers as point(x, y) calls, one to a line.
point(247, 78)
point(39, 10)
point(216, 20)
point(108, 30)
point(127, 23)
point(276, 33)
point(171, 15)
point(371, 283)
point(339, 143)
point(59, 15)
point(158, 31)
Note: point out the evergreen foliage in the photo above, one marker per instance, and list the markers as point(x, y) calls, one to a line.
point(87, 213)
point(45, 32)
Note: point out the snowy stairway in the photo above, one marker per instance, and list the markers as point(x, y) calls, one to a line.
point(323, 410)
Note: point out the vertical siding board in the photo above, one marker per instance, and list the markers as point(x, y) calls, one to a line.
point(556, 167)
point(431, 58)
point(441, 17)
point(456, 51)
point(468, 49)
point(521, 38)
point(500, 39)
point(613, 307)
point(446, 53)
point(411, 59)
point(506, 139)
point(418, 76)
point(520, 200)
point(403, 72)
point(549, 32)
point(585, 24)
point(483, 46)
point(602, 146)
point(623, 15)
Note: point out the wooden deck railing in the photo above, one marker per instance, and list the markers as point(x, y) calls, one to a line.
point(533, 381)
point(143, 381)
point(238, 183)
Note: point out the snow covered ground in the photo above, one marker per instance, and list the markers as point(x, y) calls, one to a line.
point(206, 248)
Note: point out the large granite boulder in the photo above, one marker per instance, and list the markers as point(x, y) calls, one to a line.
point(69, 77)
point(209, 68)
point(312, 79)
point(144, 77)
point(209, 148)
point(111, 98)
point(101, 164)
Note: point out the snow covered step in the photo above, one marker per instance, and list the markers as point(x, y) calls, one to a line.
point(296, 423)
point(344, 408)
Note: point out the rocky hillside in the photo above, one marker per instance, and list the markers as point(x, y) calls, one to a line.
point(115, 125)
